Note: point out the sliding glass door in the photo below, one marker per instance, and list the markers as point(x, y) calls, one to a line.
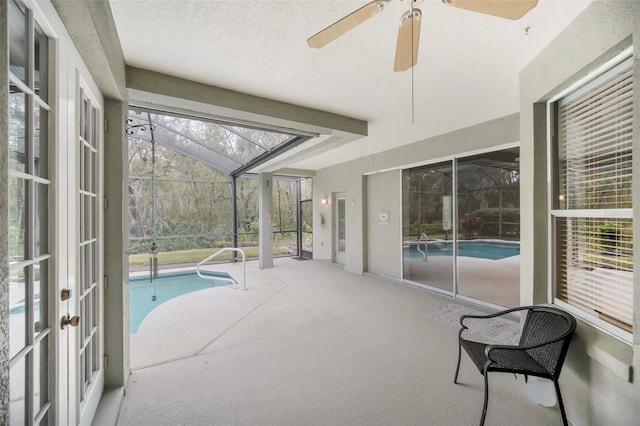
point(488, 232)
point(477, 255)
point(427, 232)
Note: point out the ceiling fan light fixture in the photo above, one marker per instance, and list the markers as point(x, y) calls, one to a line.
point(510, 9)
point(408, 40)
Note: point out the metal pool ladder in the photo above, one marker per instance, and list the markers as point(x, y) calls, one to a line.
point(244, 268)
point(424, 253)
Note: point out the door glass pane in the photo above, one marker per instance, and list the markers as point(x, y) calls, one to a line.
point(85, 230)
point(41, 382)
point(17, 129)
point(41, 234)
point(17, 380)
point(85, 314)
point(83, 375)
point(488, 245)
point(91, 179)
point(41, 63)
point(83, 172)
point(40, 139)
point(94, 127)
point(40, 283)
point(427, 226)
point(82, 224)
point(18, 52)
point(17, 218)
point(84, 271)
point(17, 311)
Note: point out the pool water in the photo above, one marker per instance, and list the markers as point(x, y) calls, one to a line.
point(481, 250)
point(165, 287)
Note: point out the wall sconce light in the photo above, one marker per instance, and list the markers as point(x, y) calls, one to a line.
point(324, 200)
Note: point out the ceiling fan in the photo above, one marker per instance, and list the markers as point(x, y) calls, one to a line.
point(409, 30)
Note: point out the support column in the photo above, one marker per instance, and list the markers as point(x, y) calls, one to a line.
point(116, 246)
point(265, 211)
point(234, 217)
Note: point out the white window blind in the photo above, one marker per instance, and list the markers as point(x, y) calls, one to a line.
point(592, 216)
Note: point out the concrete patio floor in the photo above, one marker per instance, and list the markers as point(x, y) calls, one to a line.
point(310, 344)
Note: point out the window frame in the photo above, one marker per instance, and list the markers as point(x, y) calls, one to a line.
point(555, 213)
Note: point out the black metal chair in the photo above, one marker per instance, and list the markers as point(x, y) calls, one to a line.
point(544, 342)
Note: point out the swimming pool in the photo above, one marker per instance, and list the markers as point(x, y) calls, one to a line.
point(493, 250)
point(165, 287)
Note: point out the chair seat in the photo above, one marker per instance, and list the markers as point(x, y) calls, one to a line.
point(544, 341)
point(515, 361)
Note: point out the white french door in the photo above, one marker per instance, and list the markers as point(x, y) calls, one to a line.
point(55, 223)
point(79, 200)
point(88, 351)
point(80, 354)
point(81, 348)
point(79, 241)
point(32, 328)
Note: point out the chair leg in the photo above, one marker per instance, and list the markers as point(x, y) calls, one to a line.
point(486, 398)
point(560, 404)
point(455, 378)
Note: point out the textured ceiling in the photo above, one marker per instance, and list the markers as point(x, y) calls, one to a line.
point(467, 69)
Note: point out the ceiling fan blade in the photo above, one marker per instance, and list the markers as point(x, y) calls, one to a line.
point(510, 9)
point(347, 23)
point(408, 40)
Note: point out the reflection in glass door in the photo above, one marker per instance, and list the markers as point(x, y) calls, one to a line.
point(427, 232)
point(488, 261)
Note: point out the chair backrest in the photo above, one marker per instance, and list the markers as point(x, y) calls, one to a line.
point(548, 324)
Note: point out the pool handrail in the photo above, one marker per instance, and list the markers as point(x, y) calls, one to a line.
point(424, 253)
point(244, 267)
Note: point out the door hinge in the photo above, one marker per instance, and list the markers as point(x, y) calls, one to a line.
point(106, 125)
point(106, 362)
point(105, 204)
point(105, 281)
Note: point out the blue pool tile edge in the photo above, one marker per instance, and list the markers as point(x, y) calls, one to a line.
point(179, 274)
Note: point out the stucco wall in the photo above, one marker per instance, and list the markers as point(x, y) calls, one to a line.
point(326, 183)
point(595, 390)
point(116, 247)
point(91, 26)
point(384, 240)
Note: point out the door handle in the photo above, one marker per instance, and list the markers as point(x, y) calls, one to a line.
point(69, 320)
